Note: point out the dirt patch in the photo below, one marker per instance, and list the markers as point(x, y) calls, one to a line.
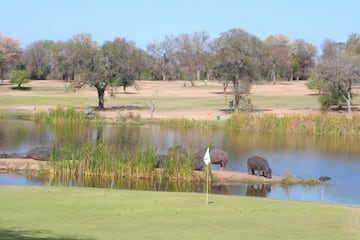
point(20, 164)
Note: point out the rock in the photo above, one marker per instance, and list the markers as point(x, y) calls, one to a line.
point(324, 178)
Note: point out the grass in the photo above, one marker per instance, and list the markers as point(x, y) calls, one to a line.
point(32, 213)
point(98, 159)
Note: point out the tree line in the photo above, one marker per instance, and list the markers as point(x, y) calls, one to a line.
point(235, 57)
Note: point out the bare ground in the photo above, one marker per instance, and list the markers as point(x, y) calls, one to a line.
point(160, 89)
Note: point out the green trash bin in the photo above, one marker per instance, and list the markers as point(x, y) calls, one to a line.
point(231, 106)
point(218, 117)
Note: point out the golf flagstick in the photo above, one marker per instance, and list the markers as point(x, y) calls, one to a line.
point(207, 162)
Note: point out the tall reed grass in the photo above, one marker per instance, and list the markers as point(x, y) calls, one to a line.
point(189, 123)
point(98, 159)
point(61, 114)
point(325, 124)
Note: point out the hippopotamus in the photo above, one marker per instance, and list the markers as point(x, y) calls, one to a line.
point(162, 158)
point(259, 164)
point(217, 156)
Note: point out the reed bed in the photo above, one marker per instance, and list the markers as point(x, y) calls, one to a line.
point(61, 115)
point(325, 124)
point(189, 123)
point(98, 159)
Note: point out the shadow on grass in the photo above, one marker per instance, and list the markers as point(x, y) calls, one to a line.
point(6, 234)
point(21, 88)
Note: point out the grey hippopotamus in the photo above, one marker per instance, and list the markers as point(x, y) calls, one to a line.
point(217, 156)
point(259, 164)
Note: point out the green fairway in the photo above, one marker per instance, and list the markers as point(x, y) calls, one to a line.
point(83, 213)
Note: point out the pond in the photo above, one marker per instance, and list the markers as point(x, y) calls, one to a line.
point(296, 155)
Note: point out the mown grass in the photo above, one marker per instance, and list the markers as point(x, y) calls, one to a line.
point(85, 213)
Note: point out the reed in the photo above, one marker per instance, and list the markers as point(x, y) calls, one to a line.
point(60, 114)
point(98, 159)
point(190, 123)
point(325, 124)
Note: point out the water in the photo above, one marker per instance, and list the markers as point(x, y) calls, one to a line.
point(299, 156)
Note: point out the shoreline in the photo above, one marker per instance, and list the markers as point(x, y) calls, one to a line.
point(18, 165)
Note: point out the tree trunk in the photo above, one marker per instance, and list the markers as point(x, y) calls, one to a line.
point(236, 94)
point(348, 104)
point(2, 73)
point(101, 96)
point(198, 74)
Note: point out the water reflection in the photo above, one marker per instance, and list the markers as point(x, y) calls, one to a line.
point(326, 192)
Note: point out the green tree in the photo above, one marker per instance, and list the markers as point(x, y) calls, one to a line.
point(315, 83)
point(302, 59)
point(19, 75)
point(89, 65)
point(233, 60)
point(122, 62)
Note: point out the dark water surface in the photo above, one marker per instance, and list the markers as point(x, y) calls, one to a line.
point(299, 156)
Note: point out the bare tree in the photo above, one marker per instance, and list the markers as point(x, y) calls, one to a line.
point(278, 58)
point(10, 52)
point(163, 53)
point(192, 51)
point(340, 69)
point(37, 58)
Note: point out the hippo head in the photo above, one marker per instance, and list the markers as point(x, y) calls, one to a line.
point(267, 173)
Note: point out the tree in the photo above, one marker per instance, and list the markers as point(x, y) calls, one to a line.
point(278, 57)
point(192, 53)
point(63, 58)
point(340, 70)
point(19, 75)
point(122, 61)
point(10, 52)
point(89, 65)
point(233, 61)
point(37, 58)
point(164, 54)
point(302, 59)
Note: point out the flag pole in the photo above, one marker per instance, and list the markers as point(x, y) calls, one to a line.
point(207, 185)
point(207, 162)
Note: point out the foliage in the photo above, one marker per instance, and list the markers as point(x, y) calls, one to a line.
point(43, 213)
point(37, 58)
point(121, 62)
point(10, 52)
point(19, 75)
point(339, 70)
point(233, 60)
point(314, 83)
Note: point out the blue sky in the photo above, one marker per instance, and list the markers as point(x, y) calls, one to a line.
point(149, 21)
